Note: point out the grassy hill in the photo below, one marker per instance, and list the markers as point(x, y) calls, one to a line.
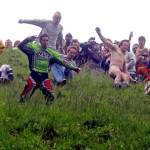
point(86, 114)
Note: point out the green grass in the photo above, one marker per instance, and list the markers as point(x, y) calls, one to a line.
point(86, 114)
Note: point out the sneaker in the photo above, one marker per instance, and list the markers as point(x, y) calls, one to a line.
point(61, 83)
point(117, 86)
point(140, 78)
point(125, 85)
point(20, 100)
point(49, 100)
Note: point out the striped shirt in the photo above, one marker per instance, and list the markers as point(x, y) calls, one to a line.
point(48, 27)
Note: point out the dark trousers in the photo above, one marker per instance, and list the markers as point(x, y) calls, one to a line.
point(38, 80)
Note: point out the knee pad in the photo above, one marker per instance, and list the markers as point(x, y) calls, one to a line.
point(29, 88)
point(47, 89)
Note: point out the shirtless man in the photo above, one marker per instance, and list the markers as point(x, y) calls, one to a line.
point(118, 69)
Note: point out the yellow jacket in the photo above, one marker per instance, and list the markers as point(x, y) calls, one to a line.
point(2, 46)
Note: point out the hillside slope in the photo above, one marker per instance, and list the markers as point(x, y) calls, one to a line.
point(86, 114)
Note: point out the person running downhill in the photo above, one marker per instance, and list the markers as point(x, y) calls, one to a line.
point(40, 57)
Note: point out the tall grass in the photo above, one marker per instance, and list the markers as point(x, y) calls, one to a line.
point(86, 114)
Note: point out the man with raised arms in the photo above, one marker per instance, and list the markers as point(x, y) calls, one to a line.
point(118, 69)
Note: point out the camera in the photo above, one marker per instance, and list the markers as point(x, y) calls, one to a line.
point(82, 56)
point(85, 46)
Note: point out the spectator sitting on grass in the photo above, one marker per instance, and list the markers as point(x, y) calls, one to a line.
point(69, 60)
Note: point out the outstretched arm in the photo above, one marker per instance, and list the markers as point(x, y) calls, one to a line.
point(36, 22)
point(57, 59)
point(128, 74)
point(130, 36)
point(104, 40)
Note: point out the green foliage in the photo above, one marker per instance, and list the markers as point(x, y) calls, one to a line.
point(88, 113)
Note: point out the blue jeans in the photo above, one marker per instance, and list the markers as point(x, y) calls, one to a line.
point(57, 72)
point(133, 76)
point(68, 73)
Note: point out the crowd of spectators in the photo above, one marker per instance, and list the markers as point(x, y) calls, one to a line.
point(96, 56)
